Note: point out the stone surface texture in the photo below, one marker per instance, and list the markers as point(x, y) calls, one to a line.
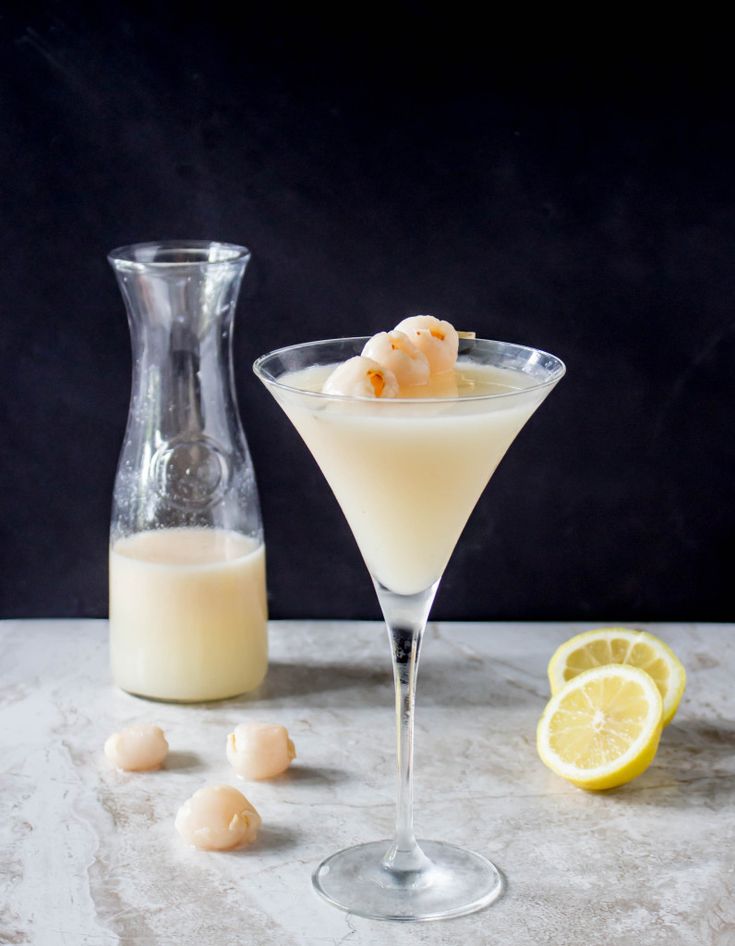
point(89, 855)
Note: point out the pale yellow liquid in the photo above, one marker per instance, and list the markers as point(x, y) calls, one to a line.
point(407, 473)
point(188, 614)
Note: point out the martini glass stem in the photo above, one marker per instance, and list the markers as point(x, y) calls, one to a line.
point(405, 617)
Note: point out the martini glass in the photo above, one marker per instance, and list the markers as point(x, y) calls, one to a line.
point(407, 472)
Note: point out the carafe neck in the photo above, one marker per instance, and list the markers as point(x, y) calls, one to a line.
point(185, 459)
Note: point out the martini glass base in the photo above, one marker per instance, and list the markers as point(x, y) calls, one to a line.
point(456, 882)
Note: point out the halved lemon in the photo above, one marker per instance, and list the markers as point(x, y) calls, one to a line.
point(602, 728)
point(621, 645)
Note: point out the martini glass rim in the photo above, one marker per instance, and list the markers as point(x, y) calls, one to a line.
point(556, 373)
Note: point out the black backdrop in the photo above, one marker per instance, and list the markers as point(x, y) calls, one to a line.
point(574, 196)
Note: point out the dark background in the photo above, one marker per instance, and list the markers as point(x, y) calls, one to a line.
point(571, 192)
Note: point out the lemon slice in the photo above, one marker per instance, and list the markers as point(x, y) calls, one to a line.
point(621, 645)
point(602, 728)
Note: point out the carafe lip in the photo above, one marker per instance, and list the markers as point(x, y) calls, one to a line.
point(177, 255)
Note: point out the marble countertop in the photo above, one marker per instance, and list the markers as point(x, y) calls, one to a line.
point(89, 855)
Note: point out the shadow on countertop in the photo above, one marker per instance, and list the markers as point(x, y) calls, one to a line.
point(694, 767)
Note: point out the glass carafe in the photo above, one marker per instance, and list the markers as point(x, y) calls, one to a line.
point(187, 562)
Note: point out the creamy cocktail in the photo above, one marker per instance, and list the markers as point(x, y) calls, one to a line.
point(407, 475)
point(408, 427)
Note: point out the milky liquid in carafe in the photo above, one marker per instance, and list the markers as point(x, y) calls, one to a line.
point(188, 613)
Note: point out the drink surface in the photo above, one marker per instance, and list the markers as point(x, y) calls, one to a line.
point(408, 473)
point(188, 615)
point(467, 380)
